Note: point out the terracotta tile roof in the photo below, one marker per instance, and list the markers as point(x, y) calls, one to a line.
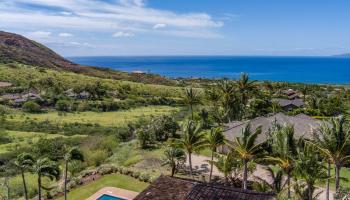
point(171, 188)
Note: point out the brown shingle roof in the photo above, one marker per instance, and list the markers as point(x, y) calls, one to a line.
point(171, 188)
point(304, 126)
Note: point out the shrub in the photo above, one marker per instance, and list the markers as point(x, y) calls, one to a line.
point(63, 105)
point(145, 177)
point(31, 107)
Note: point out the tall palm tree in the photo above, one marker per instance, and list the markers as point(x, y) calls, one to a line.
point(192, 139)
point(192, 97)
point(229, 98)
point(283, 146)
point(275, 180)
point(247, 149)
point(333, 141)
point(71, 153)
point(309, 168)
point(245, 88)
point(214, 139)
point(22, 163)
point(45, 167)
point(173, 157)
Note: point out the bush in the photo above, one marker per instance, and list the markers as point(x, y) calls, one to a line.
point(95, 158)
point(63, 105)
point(31, 107)
point(145, 177)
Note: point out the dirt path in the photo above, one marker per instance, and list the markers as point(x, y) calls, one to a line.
point(200, 163)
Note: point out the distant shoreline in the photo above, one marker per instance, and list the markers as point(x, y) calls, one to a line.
point(312, 70)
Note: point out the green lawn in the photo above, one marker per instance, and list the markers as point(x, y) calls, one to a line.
point(112, 180)
point(20, 138)
point(118, 118)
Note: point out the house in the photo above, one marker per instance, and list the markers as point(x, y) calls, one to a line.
point(31, 96)
point(291, 94)
point(173, 188)
point(11, 96)
point(304, 126)
point(5, 84)
point(289, 105)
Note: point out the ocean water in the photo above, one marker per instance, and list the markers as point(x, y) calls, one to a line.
point(335, 70)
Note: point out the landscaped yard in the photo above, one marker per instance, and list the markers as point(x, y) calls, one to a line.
point(118, 118)
point(112, 180)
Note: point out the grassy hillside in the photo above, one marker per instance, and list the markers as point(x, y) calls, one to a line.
point(24, 75)
point(116, 119)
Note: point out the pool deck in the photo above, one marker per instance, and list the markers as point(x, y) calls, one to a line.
point(112, 191)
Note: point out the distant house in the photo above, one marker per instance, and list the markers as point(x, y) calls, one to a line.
point(5, 84)
point(289, 105)
point(172, 188)
point(21, 98)
point(11, 96)
point(138, 72)
point(291, 94)
point(81, 95)
point(304, 126)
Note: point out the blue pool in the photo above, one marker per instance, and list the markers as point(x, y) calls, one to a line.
point(109, 197)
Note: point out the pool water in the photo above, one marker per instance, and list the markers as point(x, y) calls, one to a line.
point(109, 197)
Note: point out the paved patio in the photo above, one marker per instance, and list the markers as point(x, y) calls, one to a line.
point(117, 192)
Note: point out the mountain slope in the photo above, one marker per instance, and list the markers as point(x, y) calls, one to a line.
point(15, 48)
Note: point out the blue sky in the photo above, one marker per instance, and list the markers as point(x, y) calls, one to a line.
point(182, 27)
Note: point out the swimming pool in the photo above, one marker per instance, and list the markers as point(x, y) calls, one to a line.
point(109, 197)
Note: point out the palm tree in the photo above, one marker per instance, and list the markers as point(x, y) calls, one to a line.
point(225, 164)
point(247, 149)
point(173, 157)
point(214, 139)
point(283, 146)
point(22, 163)
point(275, 182)
point(245, 88)
point(229, 98)
point(309, 168)
point(192, 139)
point(191, 98)
point(333, 141)
point(45, 167)
point(70, 154)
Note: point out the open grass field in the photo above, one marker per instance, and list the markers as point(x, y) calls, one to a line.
point(19, 138)
point(112, 180)
point(117, 118)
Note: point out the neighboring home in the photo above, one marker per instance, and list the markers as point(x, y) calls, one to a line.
point(81, 95)
point(172, 188)
point(304, 126)
point(291, 94)
point(5, 84)
point(20, 98)
point(138, 72)
point(11, 96)
point(31, 96)
point(289, 105)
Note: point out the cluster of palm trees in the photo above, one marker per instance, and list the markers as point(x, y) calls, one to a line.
point(44, 167)
point(294, 164)
point(229, 99)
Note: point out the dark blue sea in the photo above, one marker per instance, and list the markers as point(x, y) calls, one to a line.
point(334, 70)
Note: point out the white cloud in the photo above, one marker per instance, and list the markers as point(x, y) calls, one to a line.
point(157, 26)
point(99, 16)
point(123, 34)
point(40, 34)
point(65, 35)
